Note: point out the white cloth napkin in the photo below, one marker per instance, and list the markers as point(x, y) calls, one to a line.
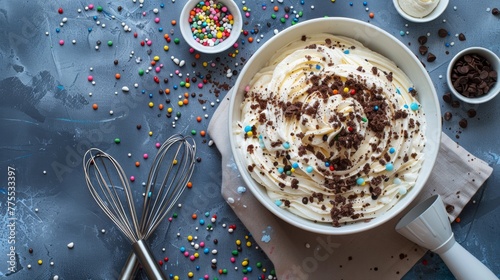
point(379, 253)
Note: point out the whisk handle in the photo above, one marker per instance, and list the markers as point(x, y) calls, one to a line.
point(130, 268)
point(147, 261)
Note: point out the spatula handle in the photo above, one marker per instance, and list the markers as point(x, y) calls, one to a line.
point(463, 264)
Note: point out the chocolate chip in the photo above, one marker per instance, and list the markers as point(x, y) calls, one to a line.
point(431, 57)
point(447, 116)
point(471, 113)
point(495, 11)
point(447, 97)
point(422, 50)
point(422, 40)
point(455, 104)
point(462, 123)
point(442, 33)
point(450, 208)
point(473, 75)
point(461, 37)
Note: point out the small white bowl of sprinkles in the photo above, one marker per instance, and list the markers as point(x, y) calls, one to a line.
point(210, 26)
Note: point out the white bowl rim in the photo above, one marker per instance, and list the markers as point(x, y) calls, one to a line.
point(438, 11)
point(324, 228)
point(188, 36)
point(481, 51)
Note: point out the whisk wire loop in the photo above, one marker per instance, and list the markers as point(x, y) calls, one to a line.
point(108, 193)
point(173, 166)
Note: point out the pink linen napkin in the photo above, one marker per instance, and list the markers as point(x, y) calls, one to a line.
point(379, 253)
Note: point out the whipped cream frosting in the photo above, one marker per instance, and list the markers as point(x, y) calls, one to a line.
point(332, 130)
point(418, 8)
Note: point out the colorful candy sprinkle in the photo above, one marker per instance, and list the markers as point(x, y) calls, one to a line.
point(360, 181)
point(389, 167)
point(211, 23)
point(414, 106)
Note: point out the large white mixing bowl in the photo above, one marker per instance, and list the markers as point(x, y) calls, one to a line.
point(377, 40)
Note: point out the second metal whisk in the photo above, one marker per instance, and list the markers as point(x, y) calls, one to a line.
point(172, 168)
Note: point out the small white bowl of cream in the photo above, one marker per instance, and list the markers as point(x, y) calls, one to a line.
point(420, 10)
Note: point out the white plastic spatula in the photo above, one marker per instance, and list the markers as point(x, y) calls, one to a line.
point(427, 225)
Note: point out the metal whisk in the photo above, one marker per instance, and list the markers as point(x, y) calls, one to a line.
point(172, 168)
point(109, 187)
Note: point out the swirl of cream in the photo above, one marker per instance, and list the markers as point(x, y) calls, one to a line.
point(418, 8)
point(332, 130)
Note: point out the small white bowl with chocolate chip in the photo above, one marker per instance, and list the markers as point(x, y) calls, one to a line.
point(472, 75)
